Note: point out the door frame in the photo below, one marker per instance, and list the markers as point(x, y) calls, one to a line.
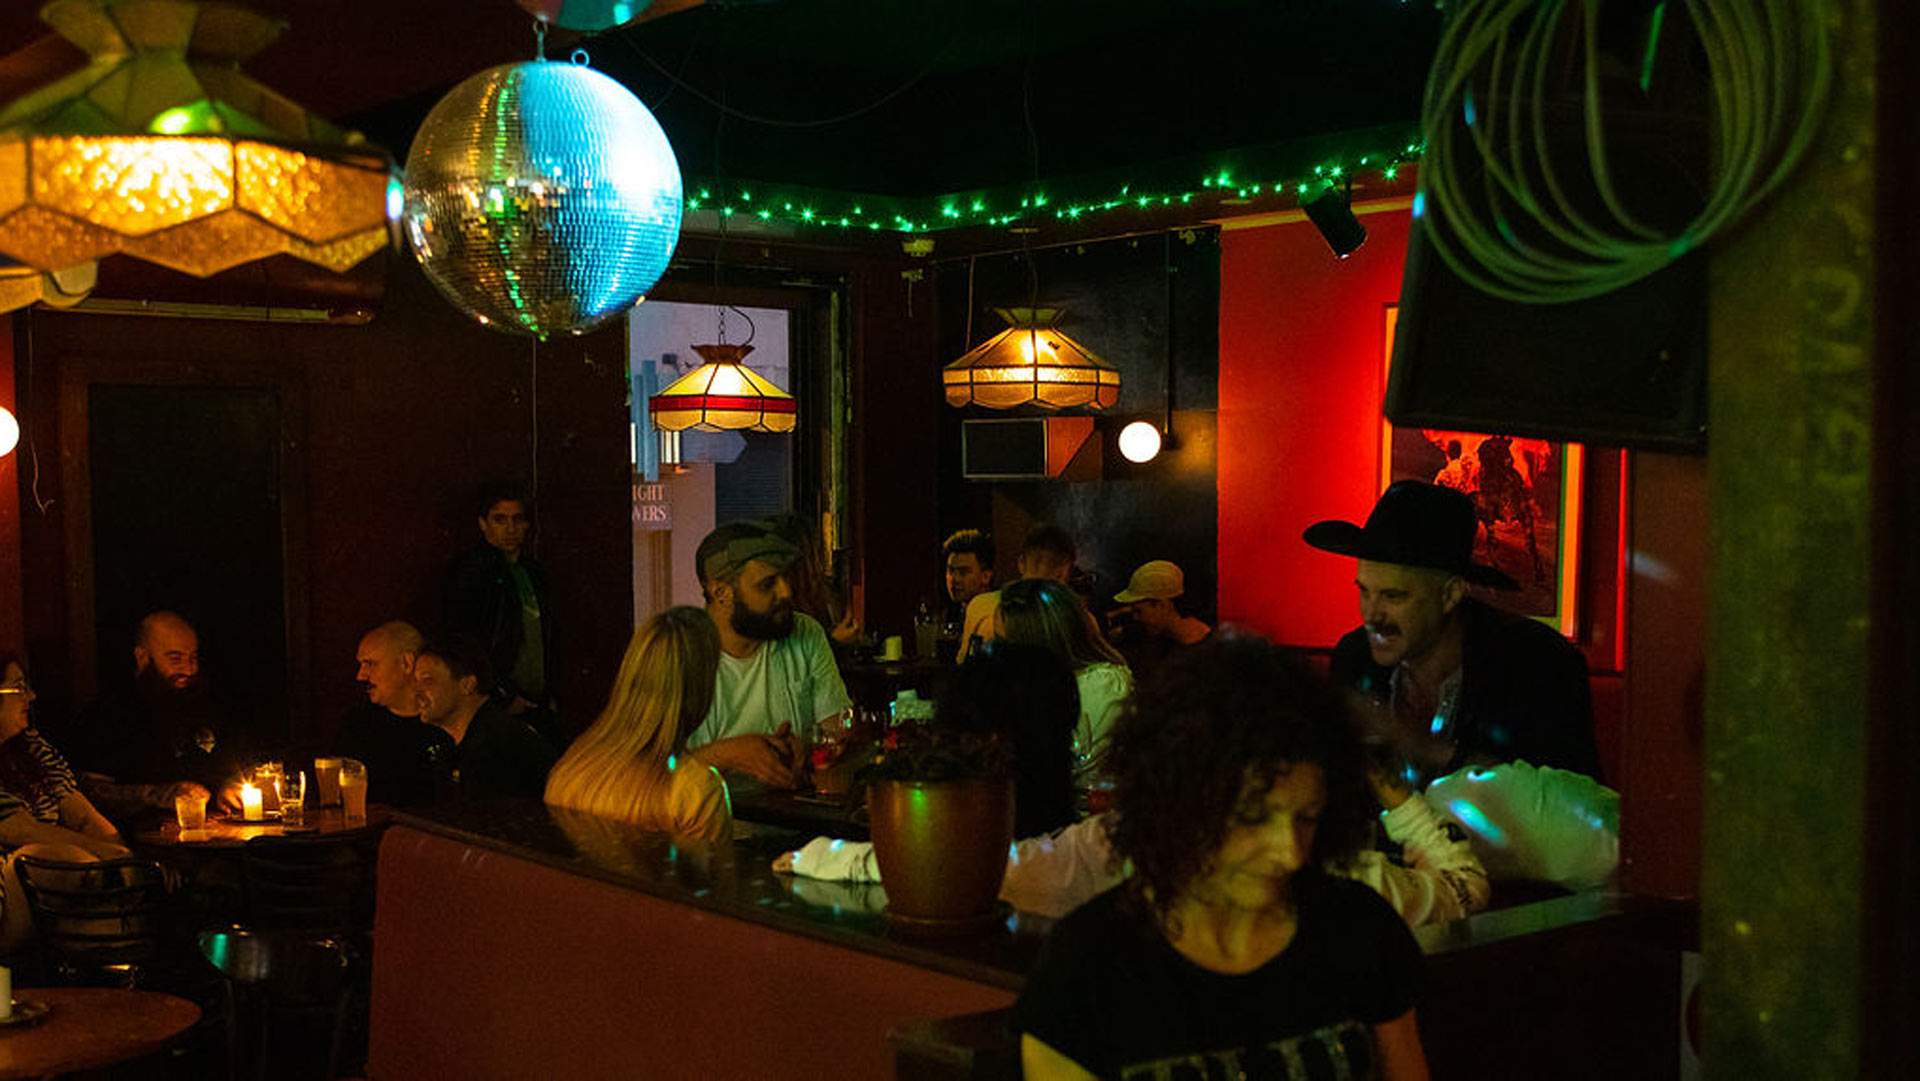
point(78, 375)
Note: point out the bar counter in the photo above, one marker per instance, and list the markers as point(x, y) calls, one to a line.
point(516, 941)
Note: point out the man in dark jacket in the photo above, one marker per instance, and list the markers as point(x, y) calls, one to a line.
point(489, 753)
point(384, 730)
point(1463, 682)
point(496, 595)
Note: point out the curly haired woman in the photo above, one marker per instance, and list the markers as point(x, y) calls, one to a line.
point(1233, 949)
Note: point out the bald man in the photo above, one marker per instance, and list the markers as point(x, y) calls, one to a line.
point(160, 735)
point(384, 730)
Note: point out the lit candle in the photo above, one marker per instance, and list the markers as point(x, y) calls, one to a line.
point(250, 803)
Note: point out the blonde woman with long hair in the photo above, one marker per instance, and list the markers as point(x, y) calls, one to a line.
point(632, 764)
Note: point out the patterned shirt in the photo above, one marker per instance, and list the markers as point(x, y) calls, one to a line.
point(34, 777)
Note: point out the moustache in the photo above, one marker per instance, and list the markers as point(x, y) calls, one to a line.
point(1383, 629)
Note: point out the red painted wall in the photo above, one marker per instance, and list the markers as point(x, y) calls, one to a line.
point(1662, 749)
point(13, 634)
point(1301, 381)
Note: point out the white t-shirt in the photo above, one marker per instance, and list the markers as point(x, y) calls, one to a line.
point(1103, 690)
point(790, 680)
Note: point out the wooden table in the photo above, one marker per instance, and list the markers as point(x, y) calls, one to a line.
point(90, 1027)
point(327, 822)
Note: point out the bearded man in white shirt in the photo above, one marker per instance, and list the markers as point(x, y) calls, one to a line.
point(777, 678)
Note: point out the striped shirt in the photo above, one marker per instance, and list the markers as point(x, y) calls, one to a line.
point(33, 777)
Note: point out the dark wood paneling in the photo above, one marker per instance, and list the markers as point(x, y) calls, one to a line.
point(404, 419)
point(1143, 304)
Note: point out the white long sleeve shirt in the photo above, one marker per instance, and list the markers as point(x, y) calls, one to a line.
point(1052, 875)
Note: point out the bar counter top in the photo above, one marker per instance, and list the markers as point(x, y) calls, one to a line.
point(735, 880)
point(738, 881)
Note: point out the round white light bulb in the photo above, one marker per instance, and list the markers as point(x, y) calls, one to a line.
point(1139, 441)
point(9, 432)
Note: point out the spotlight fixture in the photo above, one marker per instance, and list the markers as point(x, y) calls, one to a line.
point(1140, 441)
point(1331, 212)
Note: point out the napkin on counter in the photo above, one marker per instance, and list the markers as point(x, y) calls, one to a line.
point(828, 857)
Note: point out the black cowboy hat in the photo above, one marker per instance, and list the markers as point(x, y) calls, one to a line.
point(1414, 525)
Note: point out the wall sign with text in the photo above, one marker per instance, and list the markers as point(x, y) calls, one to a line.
point(652, 509)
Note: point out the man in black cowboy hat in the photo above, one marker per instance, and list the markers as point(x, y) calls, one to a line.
point(1465, 682)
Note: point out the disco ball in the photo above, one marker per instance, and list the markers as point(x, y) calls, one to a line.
point(591, 16)
point(542, 198)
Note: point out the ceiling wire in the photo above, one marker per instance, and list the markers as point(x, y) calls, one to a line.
point(677, 82)
point(1033, 162)
point(33, 449)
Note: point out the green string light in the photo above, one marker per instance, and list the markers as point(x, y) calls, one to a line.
point(804, 207)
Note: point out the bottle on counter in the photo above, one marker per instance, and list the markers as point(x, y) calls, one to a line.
point(926, 632)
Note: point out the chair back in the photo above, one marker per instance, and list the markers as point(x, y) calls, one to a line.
point(290, 967)
point(103, 919)
point(315, 885)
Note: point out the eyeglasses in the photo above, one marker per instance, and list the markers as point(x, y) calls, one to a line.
point(16, 688)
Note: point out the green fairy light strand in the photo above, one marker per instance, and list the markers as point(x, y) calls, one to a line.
point(1240, 187)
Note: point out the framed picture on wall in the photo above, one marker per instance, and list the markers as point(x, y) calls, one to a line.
point(1526, 493)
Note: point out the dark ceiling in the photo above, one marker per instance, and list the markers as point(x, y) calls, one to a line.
point(903, 97)
point(937, 93)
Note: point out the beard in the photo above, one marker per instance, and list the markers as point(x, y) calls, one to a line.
point(166, 690)
point(768, 626)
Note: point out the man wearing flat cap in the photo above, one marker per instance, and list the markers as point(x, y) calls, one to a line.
point(777, 676)
point(1468, 683)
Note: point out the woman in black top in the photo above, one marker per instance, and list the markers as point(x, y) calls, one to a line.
point(1230, 953)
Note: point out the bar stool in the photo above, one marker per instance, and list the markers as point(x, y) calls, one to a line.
point(277, 974)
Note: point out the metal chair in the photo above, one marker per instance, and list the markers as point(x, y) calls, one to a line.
point(308, 884)
point(280, 974)
point(102, 923)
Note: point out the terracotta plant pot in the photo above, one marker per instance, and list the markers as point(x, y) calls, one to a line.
point(942, 850)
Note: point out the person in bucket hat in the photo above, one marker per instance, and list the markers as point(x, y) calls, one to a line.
point(1455, 680)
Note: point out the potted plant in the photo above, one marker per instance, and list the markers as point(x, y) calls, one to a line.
point(940, 804)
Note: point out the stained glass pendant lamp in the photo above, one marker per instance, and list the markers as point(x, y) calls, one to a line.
point(21, 286)
point(161, 149)
point(1031, 363)
point(723, 394)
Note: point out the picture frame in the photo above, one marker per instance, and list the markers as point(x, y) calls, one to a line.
point(1527, 493)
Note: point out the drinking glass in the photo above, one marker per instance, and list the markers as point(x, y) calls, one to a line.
point(326, 782)
point(190, 810)
point(266, 777)
point(353, 789)
point(833, 735)
point(293, 798)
